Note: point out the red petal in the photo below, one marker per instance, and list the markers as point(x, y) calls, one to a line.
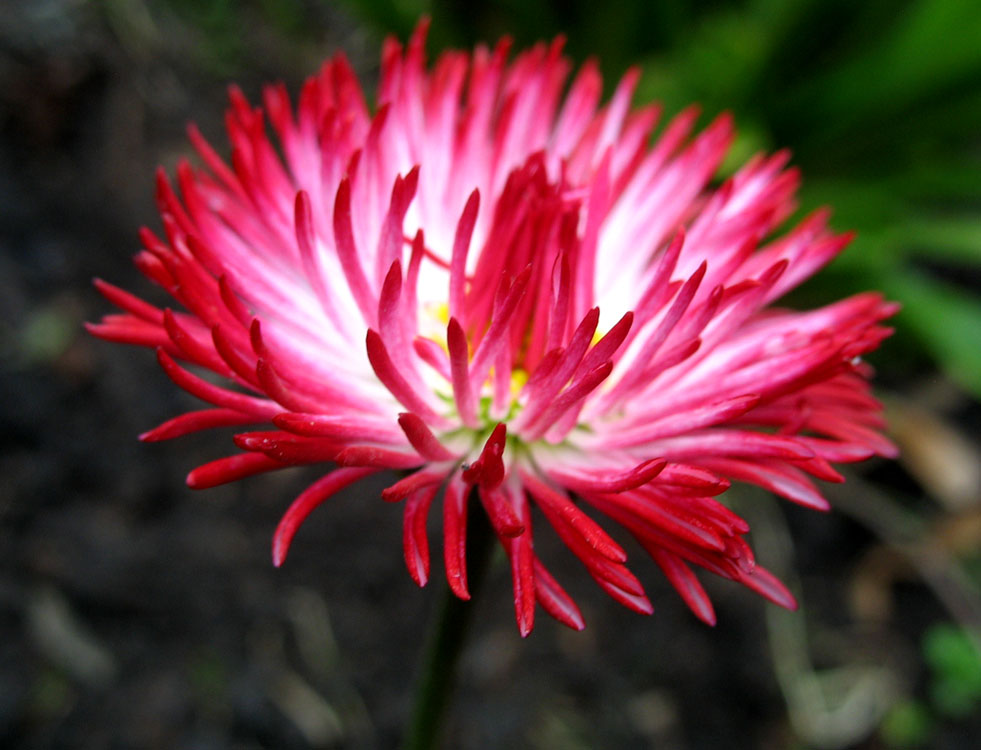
point(230, 469)
point(488, 470)
point(455, 536)
point(411, 484)
point(305, 503)
point(555, 600)
point(422, 438)
point(415, 543)
point(591, 531)
point(194, 421)
point(685, 583)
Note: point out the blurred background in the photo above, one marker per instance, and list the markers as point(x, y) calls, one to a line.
point(137, 614)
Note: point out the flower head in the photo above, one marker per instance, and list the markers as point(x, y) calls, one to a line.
point(500, 287)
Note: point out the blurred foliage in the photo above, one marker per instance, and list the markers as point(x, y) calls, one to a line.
point(218, 36)
point(908, 725)
point(954, 688)
point(880, 102)
point(955, 665)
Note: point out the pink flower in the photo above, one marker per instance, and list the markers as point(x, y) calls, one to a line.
point(501, 288)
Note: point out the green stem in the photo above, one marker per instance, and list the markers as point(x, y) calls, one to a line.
point(438, 672)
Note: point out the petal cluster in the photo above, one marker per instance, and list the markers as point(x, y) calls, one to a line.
point(498, 286)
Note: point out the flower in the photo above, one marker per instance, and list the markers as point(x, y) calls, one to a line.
point(506, 290)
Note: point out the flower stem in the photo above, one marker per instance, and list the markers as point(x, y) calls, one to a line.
point(438, 672)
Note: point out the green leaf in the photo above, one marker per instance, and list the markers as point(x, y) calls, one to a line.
point(945, 319)
point(952, 655)
point(908, 724)
point(935, 44)
point(956, 238)
point(392, 16)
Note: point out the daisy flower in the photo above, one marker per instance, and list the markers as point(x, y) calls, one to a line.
point(506, 290)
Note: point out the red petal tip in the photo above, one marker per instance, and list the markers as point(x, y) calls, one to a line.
point(278, 556)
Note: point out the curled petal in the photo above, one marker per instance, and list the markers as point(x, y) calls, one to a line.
point(305, 504)
point(501, 513)
point(598, 539)
point(129, 302)
point(194, 421)
point(522, 558)
point(456, 344)
point(346, 428)
point(488, 470)
point(420, 480)
point(373, 455)
point(455, 537)
point(231, 469)
point(422, 438)
point(222, 397)
point(610, 481)
point(767, 585)
point(389, 375)
point(555, 600)
point(415, 542)
point(347, 253)
point(685, 583)
point(784, 480)
point(461, 245)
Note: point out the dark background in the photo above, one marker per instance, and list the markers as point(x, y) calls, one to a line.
point(136, 613)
